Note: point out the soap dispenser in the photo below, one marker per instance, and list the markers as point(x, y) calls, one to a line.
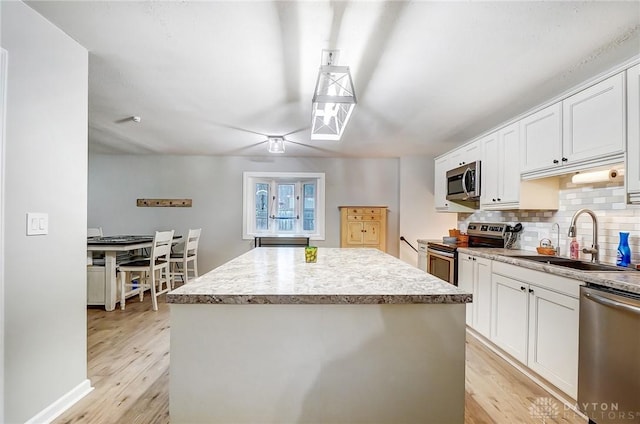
point(574, 249)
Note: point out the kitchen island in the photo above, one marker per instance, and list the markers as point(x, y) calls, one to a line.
point(359, 336)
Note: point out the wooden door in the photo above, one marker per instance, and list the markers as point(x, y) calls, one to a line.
point(371, 233)
point(355, 233)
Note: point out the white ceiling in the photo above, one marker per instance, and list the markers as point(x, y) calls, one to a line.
point(216, 77)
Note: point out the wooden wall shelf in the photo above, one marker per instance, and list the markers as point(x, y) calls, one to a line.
point(164, 203)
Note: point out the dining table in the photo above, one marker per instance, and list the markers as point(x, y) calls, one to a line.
point(102, 282)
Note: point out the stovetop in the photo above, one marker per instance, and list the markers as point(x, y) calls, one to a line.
point(481, 234)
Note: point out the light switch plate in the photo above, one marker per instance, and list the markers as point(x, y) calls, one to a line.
point(37, 223)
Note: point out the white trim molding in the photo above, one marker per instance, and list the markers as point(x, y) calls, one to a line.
point(56, 409)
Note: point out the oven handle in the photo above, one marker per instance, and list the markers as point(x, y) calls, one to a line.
point(439, 253)
point(612, 303)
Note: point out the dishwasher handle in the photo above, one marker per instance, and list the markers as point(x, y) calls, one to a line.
point(613, 303)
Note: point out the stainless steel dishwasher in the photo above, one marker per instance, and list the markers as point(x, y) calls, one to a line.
point(609, 356)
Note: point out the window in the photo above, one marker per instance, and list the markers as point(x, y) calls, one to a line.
point(283, 203)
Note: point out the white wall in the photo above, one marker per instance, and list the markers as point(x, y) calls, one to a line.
point(215, 185)
point(46, 171)
point(419, 218)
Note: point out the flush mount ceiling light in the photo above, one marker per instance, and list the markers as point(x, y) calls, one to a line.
point(333, 99)
point(276, 144)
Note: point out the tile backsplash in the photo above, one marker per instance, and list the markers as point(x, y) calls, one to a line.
point(606, 200)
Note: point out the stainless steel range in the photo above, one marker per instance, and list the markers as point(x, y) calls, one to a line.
point(442, 258)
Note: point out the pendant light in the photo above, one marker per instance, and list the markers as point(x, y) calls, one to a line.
point(333, 101)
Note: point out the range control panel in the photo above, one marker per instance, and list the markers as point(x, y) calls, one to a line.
point(487, 229)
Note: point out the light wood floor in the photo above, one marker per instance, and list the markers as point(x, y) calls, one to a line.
point(128, 364)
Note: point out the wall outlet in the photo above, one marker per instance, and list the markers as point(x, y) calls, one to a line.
point(37, 223)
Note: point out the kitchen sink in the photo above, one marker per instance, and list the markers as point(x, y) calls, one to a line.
point(572, 263)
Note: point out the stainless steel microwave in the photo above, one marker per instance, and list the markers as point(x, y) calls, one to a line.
point(463, 182)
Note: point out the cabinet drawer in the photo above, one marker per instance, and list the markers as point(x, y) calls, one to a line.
point(557, 283)
point(361, 211)
point(363, 217)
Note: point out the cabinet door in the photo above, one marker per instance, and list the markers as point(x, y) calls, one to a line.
point(482, 296)
point(355, 233)
point(541, 139)
point(490, 170)
point(371, 232)
point(509, 317)
point(633, 131)
point(470, 152)
point(594, 121)
point(441, 166)
point(553, 338)
point(465, 282)
point(509, 179)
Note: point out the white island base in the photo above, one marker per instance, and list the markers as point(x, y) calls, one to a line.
point(317, 363)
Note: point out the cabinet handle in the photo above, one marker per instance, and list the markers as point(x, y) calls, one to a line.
point(564, 159)
point(531, 291)
point(555, 161)
point(498, 199)
point(523, 288)
point(493, 200)
point(474, 259)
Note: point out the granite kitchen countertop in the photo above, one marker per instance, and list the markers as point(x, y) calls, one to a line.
point(628, 281)
point(277, 275)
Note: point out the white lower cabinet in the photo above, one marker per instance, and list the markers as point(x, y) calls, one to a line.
point(553, 338)
point(474, 276)
point(534, 318)
point(510, 318)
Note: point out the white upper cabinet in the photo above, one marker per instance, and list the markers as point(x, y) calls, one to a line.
point(583, 131)
point(594, 121)
point(502, 187)
point(541, 139)
point(468, 153)
point(500, 168)
point(633, 134)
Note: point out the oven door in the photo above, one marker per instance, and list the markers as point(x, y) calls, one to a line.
point(442, 265)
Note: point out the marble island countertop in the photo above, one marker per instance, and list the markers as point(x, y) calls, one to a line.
point(340, 276)
point(622, 280)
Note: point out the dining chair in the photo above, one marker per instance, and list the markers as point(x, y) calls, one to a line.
point(180, 260)
point(149, 273)
point(94, 232)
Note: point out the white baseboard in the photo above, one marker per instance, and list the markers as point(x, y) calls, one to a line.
point(65, 402)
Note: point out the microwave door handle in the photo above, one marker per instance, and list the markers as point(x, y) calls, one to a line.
point(464, 182)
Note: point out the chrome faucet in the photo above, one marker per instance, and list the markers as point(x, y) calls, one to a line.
point(555, 224)
point(572, 233)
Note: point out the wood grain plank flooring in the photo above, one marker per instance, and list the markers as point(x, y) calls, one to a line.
point(128, 365)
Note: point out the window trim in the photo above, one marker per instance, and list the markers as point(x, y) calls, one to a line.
point(248, 202)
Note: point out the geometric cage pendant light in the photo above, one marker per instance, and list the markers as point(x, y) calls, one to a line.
point(333, 101)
